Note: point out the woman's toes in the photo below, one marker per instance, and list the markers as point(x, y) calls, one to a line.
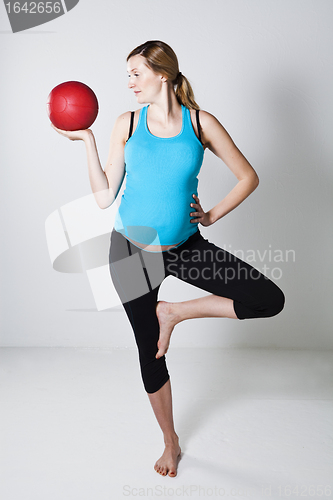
point(172, 472)
point(162, 349)
point(160, 353)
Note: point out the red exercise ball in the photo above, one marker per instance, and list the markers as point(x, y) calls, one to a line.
point(72, 106)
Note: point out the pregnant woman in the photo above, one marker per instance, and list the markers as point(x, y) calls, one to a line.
point(160, 147)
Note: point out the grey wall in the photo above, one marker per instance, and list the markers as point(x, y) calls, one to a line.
point(264, 69)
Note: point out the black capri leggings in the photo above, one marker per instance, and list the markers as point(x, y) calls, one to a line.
point(137, 275)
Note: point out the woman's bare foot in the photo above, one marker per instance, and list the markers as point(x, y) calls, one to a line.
point(168, 462)
point(167, 319)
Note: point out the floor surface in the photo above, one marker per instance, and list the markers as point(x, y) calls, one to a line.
point(76, 423)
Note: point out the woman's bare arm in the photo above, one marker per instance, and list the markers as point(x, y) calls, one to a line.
point(115, 165)
point(105, 184)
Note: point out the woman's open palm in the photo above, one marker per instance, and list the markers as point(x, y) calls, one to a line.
point(75, 135)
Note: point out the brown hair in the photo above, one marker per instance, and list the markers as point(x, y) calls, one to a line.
point(161, 59)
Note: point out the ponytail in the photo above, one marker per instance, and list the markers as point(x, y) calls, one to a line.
point(184, 92)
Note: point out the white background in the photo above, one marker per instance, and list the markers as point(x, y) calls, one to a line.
point(264, 69)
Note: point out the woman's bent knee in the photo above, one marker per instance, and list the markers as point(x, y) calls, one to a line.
point(277, 304)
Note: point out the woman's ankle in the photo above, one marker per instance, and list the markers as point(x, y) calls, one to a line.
point(171, 439)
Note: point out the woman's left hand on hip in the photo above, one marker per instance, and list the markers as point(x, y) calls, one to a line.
point(201, 216)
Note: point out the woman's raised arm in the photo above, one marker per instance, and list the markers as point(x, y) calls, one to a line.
point(105, 184)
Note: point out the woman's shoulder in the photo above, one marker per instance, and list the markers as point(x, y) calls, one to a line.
point(207, 122)
point(125, 117)
point(123, 122)
point(205, 117)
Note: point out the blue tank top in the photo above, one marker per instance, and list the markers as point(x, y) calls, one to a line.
point(161, 179)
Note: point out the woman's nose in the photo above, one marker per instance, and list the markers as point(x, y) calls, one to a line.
point(130, 83)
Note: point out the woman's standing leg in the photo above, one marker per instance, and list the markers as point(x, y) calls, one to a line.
point(131, 281)
point(161, 402)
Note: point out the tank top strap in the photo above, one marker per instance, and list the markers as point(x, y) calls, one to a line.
point(131, 125)
point(189, 127)
point(139, 125)
point(198, 124)
point(142, 122)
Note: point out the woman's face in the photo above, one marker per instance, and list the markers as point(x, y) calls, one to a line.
point(145, 84)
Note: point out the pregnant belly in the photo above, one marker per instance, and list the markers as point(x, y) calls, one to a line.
point(150, 218)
